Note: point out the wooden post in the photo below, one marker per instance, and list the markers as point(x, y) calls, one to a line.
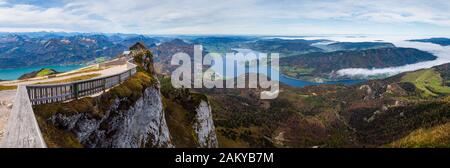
point(75, 90)
point(104, 85)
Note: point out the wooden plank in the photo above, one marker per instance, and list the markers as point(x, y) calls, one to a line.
point(22, 130)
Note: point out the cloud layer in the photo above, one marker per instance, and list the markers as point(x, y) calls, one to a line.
point(228, 17)
point(441, 52)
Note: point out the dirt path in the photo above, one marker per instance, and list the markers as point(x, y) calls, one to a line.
point(6, 100)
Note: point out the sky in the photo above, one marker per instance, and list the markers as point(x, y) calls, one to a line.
point(243, 17)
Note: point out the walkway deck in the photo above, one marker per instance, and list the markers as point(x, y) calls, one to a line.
point(106, 72)
point(6, 99)
point(22, 129)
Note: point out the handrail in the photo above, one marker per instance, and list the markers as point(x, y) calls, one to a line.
point(51, 93)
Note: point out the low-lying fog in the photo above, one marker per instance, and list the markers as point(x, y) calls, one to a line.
point(443, 54)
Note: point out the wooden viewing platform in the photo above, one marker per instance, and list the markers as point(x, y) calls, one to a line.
point(43, 94)
point(22, 129)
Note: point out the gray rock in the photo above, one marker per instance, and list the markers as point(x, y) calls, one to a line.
point(204, 127)
point(141, 125)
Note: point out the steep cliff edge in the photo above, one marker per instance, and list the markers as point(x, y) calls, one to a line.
point(141, 125)
point(134, 114)
point(130, 115)
point(204, 126)
point(189, 117)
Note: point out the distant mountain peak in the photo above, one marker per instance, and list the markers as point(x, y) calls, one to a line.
point(178, 42)
point(436, 40)
point(138, 46)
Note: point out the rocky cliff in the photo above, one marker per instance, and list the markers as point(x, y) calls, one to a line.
point(131, 115)
point(195, 107)
point(189, 117)
point(204, 126)
point(141, 125)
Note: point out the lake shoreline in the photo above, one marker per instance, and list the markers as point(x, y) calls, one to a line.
point(9, 74)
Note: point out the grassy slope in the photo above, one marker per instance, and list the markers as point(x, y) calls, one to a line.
point(428, 81)
point(45, 72)
point(7, 87)
point(296, 72)
point(179, 126)
point(57, 138)
point(437, 136)
point(179, 107)
point(426, 137)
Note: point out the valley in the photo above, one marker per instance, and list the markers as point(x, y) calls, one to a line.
point(325, 65)
point(309, 59)
point(324, 108)
point(370, 114)
point(234, 83)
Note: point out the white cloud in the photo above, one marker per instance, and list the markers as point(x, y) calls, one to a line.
point(441, 52)
point(233, 16)
point(32, 17)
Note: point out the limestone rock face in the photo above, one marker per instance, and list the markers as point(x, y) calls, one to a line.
point(204, 126)
point(141, 125)
point(138, 121)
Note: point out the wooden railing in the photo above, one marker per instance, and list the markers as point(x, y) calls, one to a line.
point(43, 94)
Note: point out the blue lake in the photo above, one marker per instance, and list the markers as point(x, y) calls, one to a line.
point(230, 70)
point(14, 73)
point(276, 75)
point(299, 83)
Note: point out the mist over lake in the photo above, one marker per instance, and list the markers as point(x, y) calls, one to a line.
point(442, 52)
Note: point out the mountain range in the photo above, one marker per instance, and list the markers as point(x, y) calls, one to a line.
point(53, 49)
point(439, 41)
point(407, 110)
point(301, 59)
point(321, 64)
